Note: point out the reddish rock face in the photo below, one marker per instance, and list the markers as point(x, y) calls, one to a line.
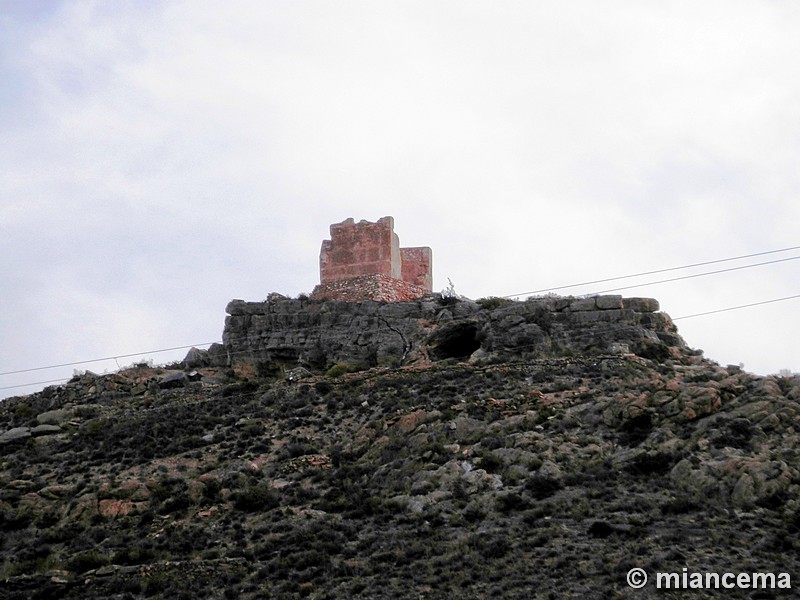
point(115, 508)
point(364, 261)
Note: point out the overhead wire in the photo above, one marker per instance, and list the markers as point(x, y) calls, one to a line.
point(630, 287)
point(731, 308)
point(115, 357)
point(22, 385)
point(655, 272)
point(93, 360)
point(240, 352)
point(720, 310)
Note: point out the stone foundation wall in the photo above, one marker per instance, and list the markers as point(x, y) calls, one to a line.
point(379, 288)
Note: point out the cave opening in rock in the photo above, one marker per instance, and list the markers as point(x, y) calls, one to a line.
point(457, 340)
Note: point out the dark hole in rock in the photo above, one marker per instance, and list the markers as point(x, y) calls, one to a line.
point(457, 340)
point(636, 429)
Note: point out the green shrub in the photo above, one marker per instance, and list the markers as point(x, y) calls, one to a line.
point(268, 369)
point(340, 369)
point(636, 429)
point(491, 462)
point(646, 464)
point(155, 583)
point(492, 302)
point(86, 561)
point(511, 501)
point(94, 427)
point(13, 520)
point(252, 428)
point(657, 352)
point(172, 493)
point(323, 388)
point(255, 497)
point(23, 411)
point(212, 489)
point(678, 506)
point(140, 552)
point(542, 486)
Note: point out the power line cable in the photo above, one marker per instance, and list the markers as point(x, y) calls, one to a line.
point(630, 287)
point(700, 264)
point(730, 308)
point(93, 360)
point(325, 327)
point(21, 385)
point(712, 312)
point(508, 296)
point(461, 318)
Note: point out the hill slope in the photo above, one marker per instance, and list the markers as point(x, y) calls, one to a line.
point(513, 476)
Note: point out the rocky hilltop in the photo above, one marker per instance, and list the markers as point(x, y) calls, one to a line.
point(440, 448)
point(313, 334)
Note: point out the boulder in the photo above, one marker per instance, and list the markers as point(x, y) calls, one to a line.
point(644, 305)
point(609, 302)
point(111, 508)
point(217, 355)
point(173, 379)
point(15, 434)
point(583, 304)
point(236, 307)
point(196, 358)
point(45, 430)
point(479, 480)
point(54, 417)
point(408, 423)
point(744, 492)
point(57, 491)
point(696, 483)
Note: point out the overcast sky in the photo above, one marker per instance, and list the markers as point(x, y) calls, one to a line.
point(161, 158)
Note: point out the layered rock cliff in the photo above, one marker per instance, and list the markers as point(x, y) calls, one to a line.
point(318, 334)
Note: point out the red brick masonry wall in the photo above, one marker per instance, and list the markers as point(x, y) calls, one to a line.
point(416, 266)
point(362, 248)
point(364, 261)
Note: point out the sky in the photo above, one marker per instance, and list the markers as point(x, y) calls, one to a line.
point(161, 158)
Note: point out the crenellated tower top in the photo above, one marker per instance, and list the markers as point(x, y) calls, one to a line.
point(364, 261)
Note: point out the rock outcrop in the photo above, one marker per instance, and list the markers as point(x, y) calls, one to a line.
point(316, 334)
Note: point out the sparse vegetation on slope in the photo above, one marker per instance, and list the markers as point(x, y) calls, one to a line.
point(509, 478)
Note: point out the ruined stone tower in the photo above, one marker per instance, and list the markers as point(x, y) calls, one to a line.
point(364, 261)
